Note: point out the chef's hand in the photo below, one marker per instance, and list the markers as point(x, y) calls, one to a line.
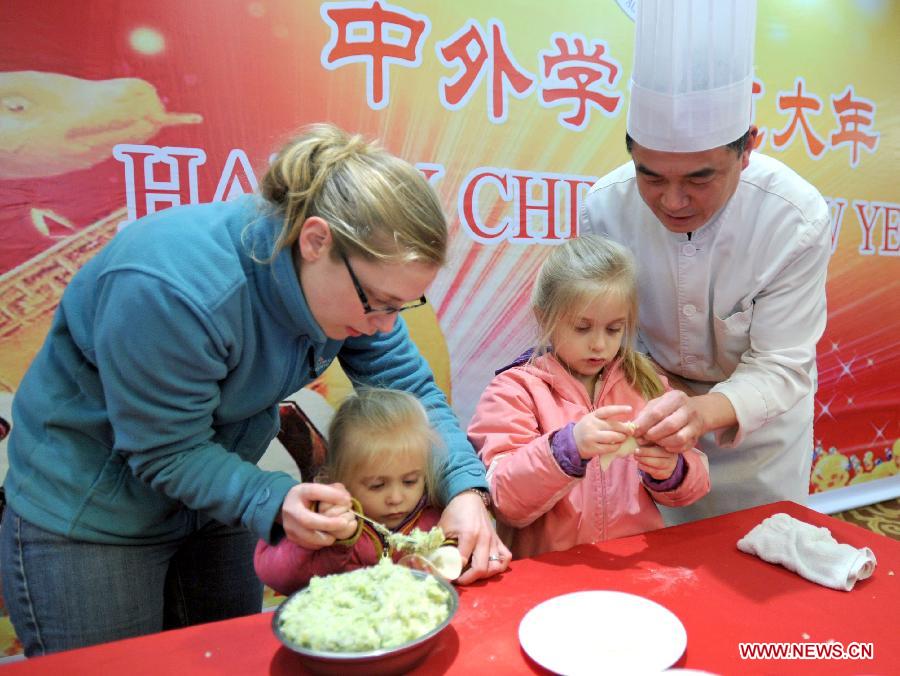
point(671, 421)
point(676, 421)
point(466, 519)
point(598, 434)
point(303, 525)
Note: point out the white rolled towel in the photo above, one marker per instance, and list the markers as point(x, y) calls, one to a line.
point(809, 551)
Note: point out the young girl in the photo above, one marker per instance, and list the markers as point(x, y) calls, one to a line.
point(380, 448)
point(545, 421)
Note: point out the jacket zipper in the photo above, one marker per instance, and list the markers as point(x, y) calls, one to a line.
point(604, 525)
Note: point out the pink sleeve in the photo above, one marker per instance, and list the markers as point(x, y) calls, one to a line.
point(525, 479)
point(287, 567)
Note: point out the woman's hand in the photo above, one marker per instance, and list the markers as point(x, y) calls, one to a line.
point(597, 434)
point(655, 461)
point(345, 513)
point(304, 526)
point(466, 519)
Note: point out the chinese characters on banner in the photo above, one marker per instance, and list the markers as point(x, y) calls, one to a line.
point(574, 69)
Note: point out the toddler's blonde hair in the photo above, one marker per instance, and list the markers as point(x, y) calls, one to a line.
point(375, 423)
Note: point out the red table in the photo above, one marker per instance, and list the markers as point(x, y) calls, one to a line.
point(722, 596)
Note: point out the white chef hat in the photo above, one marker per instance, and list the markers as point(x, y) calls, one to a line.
point(693, 73)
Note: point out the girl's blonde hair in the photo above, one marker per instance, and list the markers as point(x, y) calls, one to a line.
point(571, 277)
point(376, 205)
point(377, 422)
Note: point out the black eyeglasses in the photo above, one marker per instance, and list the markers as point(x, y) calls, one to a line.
point(368, 309)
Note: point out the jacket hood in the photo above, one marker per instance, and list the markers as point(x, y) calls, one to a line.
point(550, 370)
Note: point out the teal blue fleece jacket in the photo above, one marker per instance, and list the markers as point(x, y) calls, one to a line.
point(156, 390)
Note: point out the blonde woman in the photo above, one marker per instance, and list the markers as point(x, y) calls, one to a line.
point(381, 447)
point(551, 426)
point(134, 500)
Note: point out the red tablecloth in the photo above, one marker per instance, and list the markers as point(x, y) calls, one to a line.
point(722, 596)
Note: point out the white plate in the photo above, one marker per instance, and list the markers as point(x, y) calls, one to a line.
point(602, 631)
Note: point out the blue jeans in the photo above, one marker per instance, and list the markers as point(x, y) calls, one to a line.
point(64, 594)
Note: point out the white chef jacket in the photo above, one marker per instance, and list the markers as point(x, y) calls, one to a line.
point(736, 309)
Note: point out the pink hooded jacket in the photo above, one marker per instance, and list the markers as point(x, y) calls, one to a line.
point(287, 567)
point(540, 506)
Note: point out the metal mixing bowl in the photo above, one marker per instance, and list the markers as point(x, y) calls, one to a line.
point(394, 660)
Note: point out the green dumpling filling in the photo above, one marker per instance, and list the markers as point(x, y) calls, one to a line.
point(381, 606)
point(420, 542)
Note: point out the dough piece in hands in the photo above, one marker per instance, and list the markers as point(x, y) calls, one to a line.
point(628, 447)
point(447, 561)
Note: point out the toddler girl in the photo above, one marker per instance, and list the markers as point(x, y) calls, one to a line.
point(549, 424)
point(380, 447)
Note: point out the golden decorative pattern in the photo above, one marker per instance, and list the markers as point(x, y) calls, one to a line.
point(30, 293)
point(883, 517)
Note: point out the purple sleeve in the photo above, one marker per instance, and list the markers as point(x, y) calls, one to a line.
point(672, 482)
point(565, 450)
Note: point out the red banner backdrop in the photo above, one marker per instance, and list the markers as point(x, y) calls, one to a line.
point(111, 110)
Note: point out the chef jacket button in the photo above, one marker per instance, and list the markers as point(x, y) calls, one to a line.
point(688, 249)
point(690, 359)
point(689, 310)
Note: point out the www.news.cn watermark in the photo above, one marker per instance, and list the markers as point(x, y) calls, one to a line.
point(832, 650)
